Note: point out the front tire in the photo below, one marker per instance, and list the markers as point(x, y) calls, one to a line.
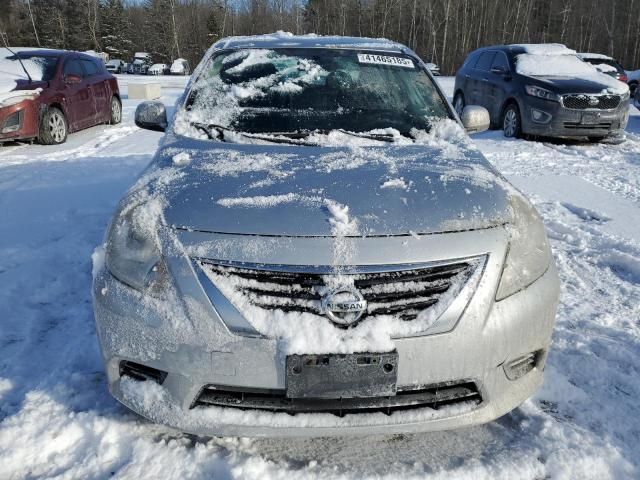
point(53, 127)
point(116, 111)
point(511, 122)
point(458, 104)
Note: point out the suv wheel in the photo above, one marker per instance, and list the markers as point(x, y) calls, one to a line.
point(116, 111)
point(511, 123)
point(458, 104)
point(53, 127)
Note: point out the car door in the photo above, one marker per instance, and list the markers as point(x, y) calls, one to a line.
point(77, 94)
point(98, 90)
point(463, 77)
point(498, 86)
point(480, 79)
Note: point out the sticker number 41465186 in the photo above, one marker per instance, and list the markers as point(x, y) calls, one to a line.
point(385, 60)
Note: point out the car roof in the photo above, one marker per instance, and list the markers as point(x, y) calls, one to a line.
point(50, 52)
point(288, 40)
point(40, 51)
point(515, 49)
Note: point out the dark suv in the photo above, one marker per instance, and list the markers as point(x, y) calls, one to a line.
point(542, 90)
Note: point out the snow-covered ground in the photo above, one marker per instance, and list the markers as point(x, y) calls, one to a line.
point(57, 419)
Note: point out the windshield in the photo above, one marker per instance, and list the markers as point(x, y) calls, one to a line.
point(303, 90)
point(40, 67)
point(552, 65)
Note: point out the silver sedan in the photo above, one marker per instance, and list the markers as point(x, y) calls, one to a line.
point(318, 248)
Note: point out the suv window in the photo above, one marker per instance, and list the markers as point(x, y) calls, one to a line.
point(471, 60)
point(73, 67)
point(90, 67)
point(501, 61)
point(485, 61)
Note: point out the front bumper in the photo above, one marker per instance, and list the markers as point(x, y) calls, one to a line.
point(27, 112)
point(189, 341)
point(569, 123)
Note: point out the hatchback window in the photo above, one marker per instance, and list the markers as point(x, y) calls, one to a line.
point(73, 67)
point(298, 90)
point(90, 68)
point(485, 61)
point(500, 61)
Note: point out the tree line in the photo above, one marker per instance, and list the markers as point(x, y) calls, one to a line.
point(440, 31)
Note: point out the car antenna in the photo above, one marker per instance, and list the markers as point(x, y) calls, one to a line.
point(6, 44)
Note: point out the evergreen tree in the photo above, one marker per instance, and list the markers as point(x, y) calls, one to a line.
point(114, 29)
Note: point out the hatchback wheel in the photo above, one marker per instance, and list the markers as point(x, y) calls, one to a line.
point(458, 104)
point(53, 127)
point(116, 111)
point(511, 123)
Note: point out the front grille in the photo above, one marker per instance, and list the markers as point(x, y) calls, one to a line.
point(586, 102)
point(404, 293)
point(435, 397)
point(587, 126)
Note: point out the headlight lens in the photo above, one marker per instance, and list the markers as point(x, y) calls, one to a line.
point(541, 93)
point(529, 254)
point(132, 254)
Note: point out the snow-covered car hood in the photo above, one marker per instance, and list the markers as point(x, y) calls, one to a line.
point(597, 83)
point(312, 191)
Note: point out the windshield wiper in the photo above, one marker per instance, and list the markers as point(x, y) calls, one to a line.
point(207, 127)
point(220, 130)
point(383, 137)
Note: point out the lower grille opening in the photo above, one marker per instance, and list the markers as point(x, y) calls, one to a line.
point(138, 371)
point(434, 396)
point(587, 126)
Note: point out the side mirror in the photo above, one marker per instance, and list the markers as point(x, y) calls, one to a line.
point(475, 119)
point(152, 116)
point(72, 79)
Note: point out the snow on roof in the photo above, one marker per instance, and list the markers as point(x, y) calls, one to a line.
point(545, 48)
point(286, 39)
point(595, 56)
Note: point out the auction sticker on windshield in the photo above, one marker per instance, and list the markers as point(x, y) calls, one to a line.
point(385, 60)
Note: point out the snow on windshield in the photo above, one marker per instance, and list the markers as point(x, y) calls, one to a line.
point(218, 102)
point(298, 91)
point(552, 65)
point(11, 72)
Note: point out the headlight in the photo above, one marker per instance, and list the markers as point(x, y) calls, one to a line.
point(542, 93)
point(132, 254)
point(529, 254)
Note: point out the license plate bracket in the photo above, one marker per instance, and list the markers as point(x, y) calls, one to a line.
point(589, 119)
point(355, 375)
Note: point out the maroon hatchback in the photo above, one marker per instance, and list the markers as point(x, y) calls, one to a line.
point(56, 92)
